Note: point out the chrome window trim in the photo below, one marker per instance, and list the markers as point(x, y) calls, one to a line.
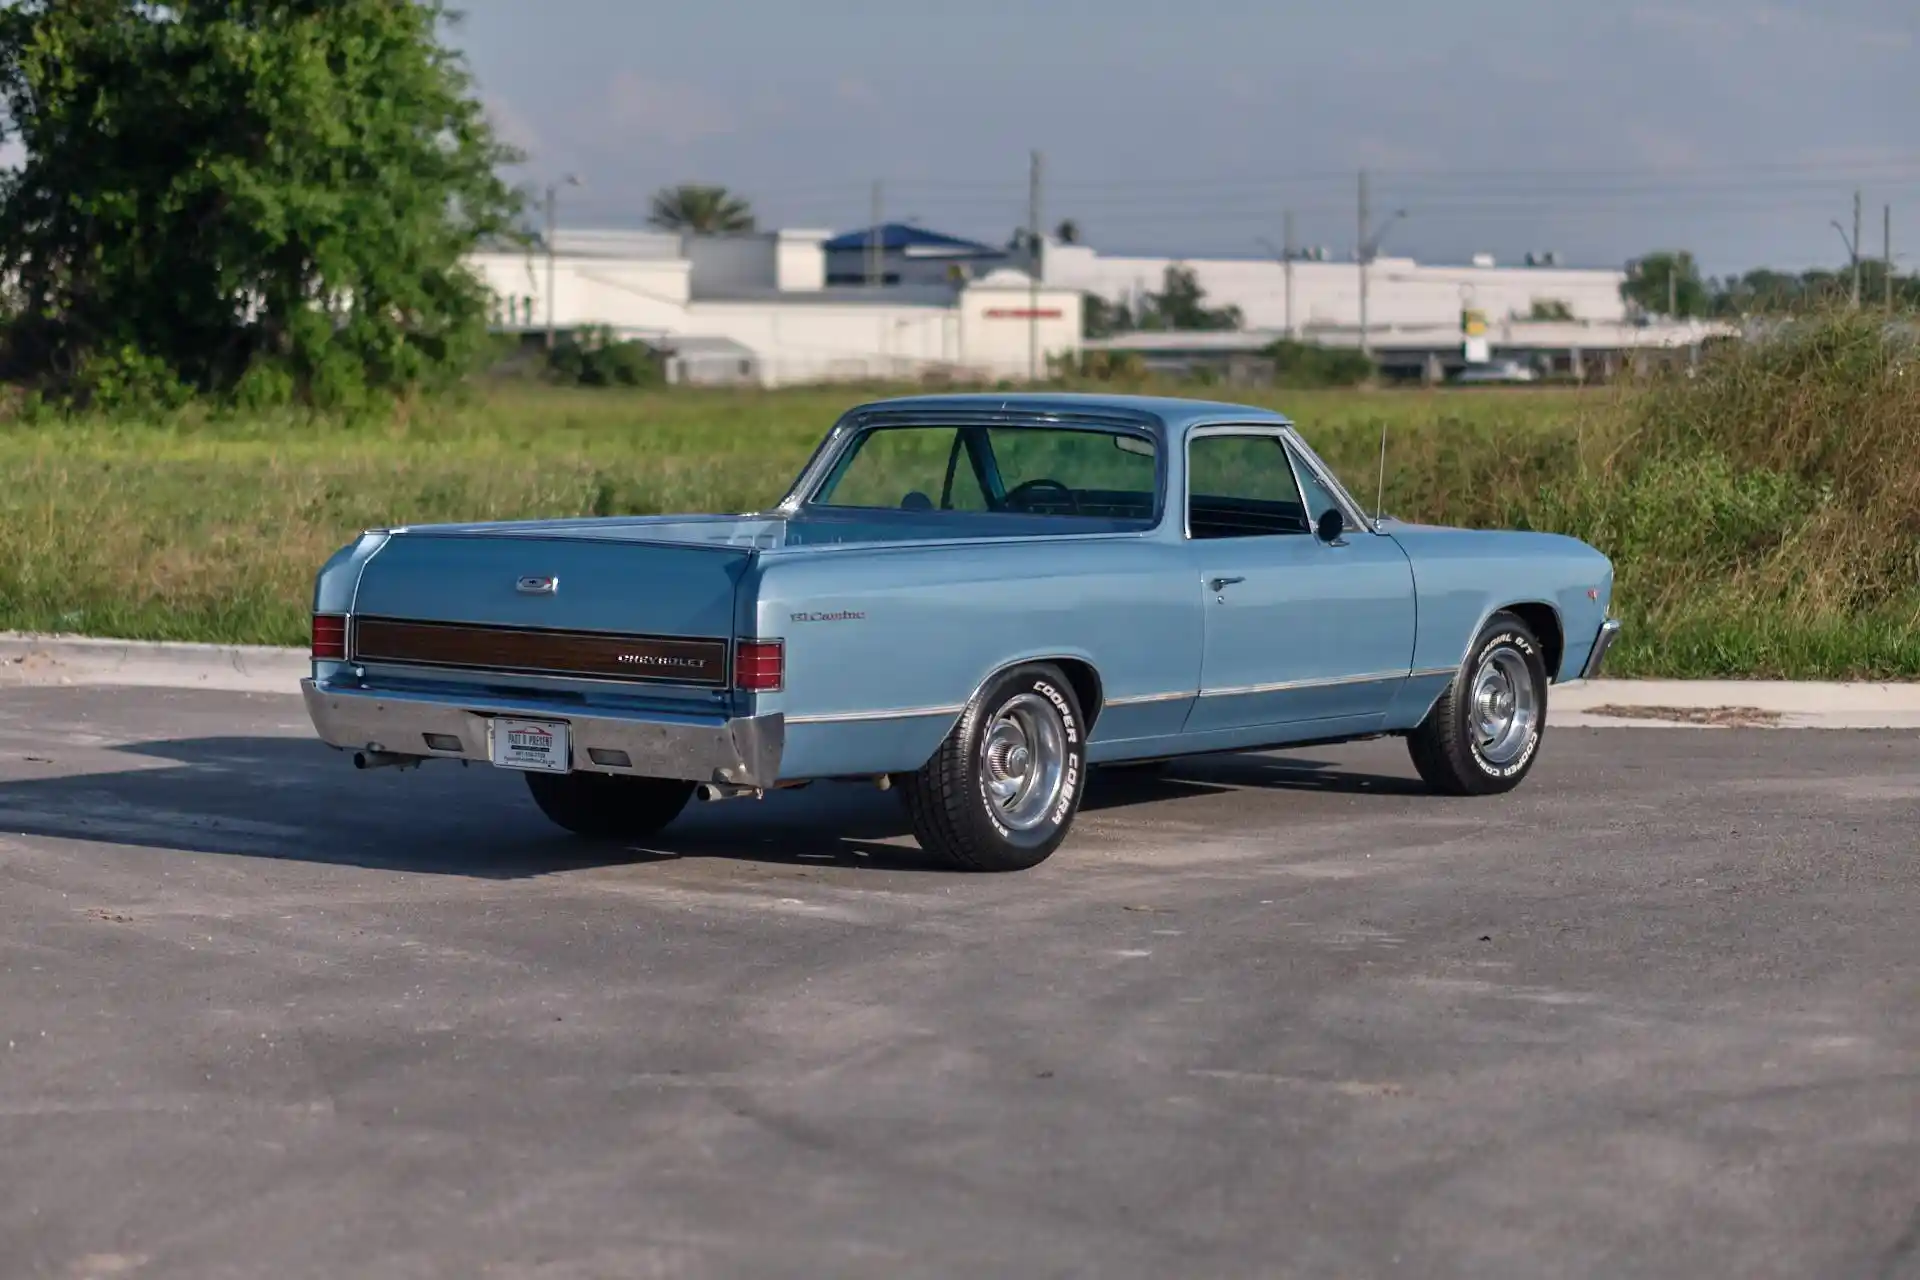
point(1272, 430)
point(1324, 474)
point(814, 472)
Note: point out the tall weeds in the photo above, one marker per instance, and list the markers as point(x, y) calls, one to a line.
point(1763, 514)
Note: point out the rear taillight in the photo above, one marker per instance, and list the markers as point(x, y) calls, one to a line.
point(759, 666)
point(329, 637)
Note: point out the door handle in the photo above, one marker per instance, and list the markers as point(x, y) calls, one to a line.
point(1221, 584)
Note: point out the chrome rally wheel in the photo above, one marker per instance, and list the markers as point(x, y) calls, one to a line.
point(1023, 756)
point(1506, 712)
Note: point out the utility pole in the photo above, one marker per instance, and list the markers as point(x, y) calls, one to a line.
point(1291, 252)
point(1033, 270)
point(1673, 288)
point(1886, 252)
point(1856, 248)
point(1360, 252)
point(876, 264)
point(553, 195)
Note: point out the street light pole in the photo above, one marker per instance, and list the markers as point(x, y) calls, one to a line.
point(1365, 251)
point(1853, 246)
point(552, 202)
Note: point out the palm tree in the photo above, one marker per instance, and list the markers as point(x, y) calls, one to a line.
point(701, 209)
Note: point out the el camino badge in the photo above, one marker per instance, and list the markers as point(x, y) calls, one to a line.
point(537, 586)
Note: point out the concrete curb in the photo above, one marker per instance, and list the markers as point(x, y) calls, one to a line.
point(34, 660)
point(1773, 704)
point(54, 660)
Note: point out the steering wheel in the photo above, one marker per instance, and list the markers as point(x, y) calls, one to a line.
point(1014, 498)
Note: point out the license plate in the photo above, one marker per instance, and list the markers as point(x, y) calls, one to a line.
point(532, 744)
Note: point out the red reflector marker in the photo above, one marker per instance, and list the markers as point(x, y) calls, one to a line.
point(759, 666)
point(329, 637)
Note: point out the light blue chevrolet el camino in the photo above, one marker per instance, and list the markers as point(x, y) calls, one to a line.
point(973, 598)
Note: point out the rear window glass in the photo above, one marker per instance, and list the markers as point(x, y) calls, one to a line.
point(1050, 471)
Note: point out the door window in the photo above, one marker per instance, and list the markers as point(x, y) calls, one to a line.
point(1241, 486)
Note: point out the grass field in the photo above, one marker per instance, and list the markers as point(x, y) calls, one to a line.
point(1732, 560)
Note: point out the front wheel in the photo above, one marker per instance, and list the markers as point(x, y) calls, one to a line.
point(1483, 735)
point(1002, 790)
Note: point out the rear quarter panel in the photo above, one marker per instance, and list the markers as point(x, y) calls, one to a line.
point(1463, 576)
point(884, 646)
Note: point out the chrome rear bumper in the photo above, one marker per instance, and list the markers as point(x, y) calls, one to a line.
point(1609, 632)
point(743, 752)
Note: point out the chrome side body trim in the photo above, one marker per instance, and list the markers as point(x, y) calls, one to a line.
point(1609, 632)
point(896, 713)
point(744, 751)
point(1432, 671)
point(1140, 699)
point(1326, 682)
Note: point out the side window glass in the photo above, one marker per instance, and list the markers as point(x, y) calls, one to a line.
point(896, 468)
point(1241, 487)
point(1319, 498)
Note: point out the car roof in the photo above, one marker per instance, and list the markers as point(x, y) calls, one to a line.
point(1174, 413)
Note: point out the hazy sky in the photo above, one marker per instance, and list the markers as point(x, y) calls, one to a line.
point(1597, 129)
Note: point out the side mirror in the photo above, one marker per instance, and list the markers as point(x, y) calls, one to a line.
point(1330, 525)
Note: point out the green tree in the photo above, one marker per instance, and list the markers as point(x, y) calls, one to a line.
point(1181, 304)
point(1100, 318)
point(273, 196)
point(1549, 309)
point(1666, 283)
point(702, 209)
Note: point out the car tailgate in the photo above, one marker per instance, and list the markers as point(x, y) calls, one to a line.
point(626, 610)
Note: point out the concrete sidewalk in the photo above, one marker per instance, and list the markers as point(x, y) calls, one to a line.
point(64, 660)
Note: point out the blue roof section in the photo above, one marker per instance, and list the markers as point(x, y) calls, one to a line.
point(898, 236)
point(1175, 413)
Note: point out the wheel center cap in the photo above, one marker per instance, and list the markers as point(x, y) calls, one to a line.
point(1017, 761)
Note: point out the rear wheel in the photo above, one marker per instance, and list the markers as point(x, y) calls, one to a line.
point(1003, 789)
point(1483, 735)
point(604, 806)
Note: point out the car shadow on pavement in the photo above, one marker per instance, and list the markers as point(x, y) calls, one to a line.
point(294, 799)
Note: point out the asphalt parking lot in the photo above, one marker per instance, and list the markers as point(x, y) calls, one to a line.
point(1657, 1014)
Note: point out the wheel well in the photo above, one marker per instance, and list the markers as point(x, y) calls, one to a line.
point(1544, 621)
point(1079, 673)
point(1086, 686)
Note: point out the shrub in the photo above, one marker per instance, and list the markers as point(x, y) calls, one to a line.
point(1304, 366)
point(594, 358)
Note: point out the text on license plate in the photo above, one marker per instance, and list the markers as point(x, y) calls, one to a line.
point(531, 744)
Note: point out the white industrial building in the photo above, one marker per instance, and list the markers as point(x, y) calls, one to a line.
point(758, 308)
point(901, 303)
point(1326, 294)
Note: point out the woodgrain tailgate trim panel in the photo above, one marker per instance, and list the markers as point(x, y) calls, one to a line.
point(536, 651)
